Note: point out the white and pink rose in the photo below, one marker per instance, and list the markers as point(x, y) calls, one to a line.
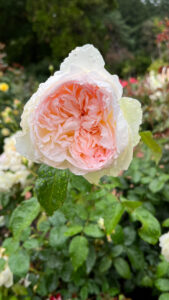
point(78, 119)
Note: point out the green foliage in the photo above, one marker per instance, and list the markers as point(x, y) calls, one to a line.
point(78, 251)
point(93, 231)
point(122, 268)
point(19, 263)
point(164, 296)
point(147, 138)
point(112, 216)
point(51, 187)
point(2, 264)
point(162, 284)
point(23, 216)
point(150, 230)
point(97, 242)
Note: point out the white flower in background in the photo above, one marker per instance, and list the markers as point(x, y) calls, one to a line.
point(158, 80)
point(78, 120)
point(25, 281)
point(12, 169)
point(156, 95)
point(164, 244)
point(6, 276)
point(154, 81)
point(100, 223)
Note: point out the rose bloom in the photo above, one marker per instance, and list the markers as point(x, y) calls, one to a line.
point(164, 244)
point(78, 120)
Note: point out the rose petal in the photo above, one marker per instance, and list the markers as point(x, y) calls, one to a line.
point(133, 114)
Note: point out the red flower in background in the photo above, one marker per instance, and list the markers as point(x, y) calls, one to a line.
point(57, 297)
point(163, 37)
point(133, 80)
point(124, 83)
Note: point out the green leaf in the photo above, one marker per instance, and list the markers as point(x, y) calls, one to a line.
point(136, 257)
point(129, 235)
point(164, 296)
point(23, 216)
point(90, 261)
point(147, 281)
point(19, 289)
point(57, 236)
point(19, 263)
point(2, 264)
point(10, 245)
point(72, 230)
point(112, 216)
point(162, 284)
point(31, 244)
point(105, 264)
point(93, 231)
point(117, 250)
point(166, 223)
point(51, 188)
point(150, 230)
point(158, 183)
point(57, 218)
point(118, 235)
point(80, 183)
point(122, 268)
point(129, 204)
point(84, 293)
point(162, 269)
point(148, 139)
point(78, 251)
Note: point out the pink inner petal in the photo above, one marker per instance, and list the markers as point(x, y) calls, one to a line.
point(74, 124)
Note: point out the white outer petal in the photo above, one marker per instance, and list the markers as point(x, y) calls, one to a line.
point(87, 57)
point(132, 112)
point(90, 59)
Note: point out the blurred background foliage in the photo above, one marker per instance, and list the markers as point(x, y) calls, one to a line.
point(39, 33)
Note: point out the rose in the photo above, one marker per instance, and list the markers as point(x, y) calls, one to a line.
point(78, 120)
point(164, 244)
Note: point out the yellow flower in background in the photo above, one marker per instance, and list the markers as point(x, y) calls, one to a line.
point(8, 109)
point(4, 87)
point(5, 131)
point(16, 112)
point(6, 112)
point(7, 120)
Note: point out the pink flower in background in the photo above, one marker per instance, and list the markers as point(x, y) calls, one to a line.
point(140, 154)
point(78, 120)
point(133, 80)
point(124, 83)
point(28, 195)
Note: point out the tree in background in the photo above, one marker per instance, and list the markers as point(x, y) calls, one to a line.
point(39, 33)
point(63, 25)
